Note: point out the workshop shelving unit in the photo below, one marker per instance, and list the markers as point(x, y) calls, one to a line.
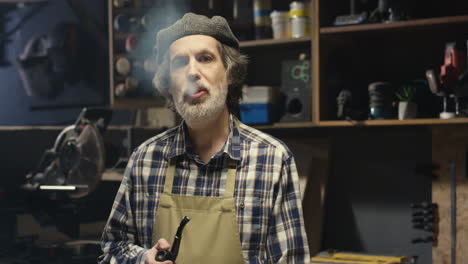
point(265, 56)
point(342, 57)
point(265, 61)
point(353, 56)
point(134, 8)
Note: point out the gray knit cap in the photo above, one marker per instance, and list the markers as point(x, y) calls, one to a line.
point(193, 24)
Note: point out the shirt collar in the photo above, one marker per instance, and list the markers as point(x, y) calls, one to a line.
point(182, 144)
point(178, 144)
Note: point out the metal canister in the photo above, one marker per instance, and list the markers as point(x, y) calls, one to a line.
point(126, 23)
point(300, 20)
point(123, 66)
point(262, 20)
point(132, 42)
point(128, 87)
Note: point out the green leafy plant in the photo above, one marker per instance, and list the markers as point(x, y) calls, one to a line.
point(406, 93)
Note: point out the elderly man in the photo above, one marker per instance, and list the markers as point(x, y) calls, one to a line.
point(238, 186)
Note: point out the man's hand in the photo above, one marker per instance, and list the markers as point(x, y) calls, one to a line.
point(161, 245)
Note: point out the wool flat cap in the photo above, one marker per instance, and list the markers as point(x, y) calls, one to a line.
point(193, 24)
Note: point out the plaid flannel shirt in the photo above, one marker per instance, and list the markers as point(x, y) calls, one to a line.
point(267, 195)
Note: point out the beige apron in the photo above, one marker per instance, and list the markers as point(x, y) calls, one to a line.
point(212, 235)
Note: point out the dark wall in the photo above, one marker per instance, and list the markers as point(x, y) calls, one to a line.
point(370, 187)
point(18, 26)
point(373, 180)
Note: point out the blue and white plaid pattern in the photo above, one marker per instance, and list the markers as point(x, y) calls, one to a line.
point(267, 195)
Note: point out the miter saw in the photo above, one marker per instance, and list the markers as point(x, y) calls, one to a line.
point(76, 162)
point(69, 172)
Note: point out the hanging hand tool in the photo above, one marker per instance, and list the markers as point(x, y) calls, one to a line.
point(424, 217)
point(171, 255)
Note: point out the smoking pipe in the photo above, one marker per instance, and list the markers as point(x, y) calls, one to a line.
point(171, 255)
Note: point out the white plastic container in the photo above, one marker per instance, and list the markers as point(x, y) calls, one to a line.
point(280, 24)
point(257, 94)
point(299, 27)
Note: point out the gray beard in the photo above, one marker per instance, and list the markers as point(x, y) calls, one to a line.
point(197, 115)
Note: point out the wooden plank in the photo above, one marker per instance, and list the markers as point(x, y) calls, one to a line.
point(285, 125)
point(110, 26)
point(271, 42)
point(312, 158)
point(410, 24)
point(316, 62)
point(450, 143)
point(21, 1)
point(395, 122)
point(60, 127)
point(21, 128)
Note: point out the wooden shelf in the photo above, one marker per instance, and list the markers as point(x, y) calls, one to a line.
point(285, 125)
point(138, 102)
point(394, 122)
point(272, 42)
point(61, 127)
point(21, 128)
point(367, 123)
point(410, 24)
point(21, 1)
point(349, 57)
point(244, 44)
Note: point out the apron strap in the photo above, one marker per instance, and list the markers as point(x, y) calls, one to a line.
point(231, 178)
point(170, 176)
point(236, 122)
point(232, 169)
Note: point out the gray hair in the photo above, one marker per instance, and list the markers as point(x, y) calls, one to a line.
point(235, 64)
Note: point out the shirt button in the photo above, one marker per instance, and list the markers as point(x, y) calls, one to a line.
point(242, 205)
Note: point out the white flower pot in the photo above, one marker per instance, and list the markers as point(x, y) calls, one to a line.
point(407, 110)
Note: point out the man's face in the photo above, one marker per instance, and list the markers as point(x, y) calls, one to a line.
point(198, 78)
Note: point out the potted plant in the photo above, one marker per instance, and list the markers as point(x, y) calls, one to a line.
point(407, 108)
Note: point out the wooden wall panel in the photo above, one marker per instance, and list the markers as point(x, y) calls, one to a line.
point(312, 157)
point(450, 143)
